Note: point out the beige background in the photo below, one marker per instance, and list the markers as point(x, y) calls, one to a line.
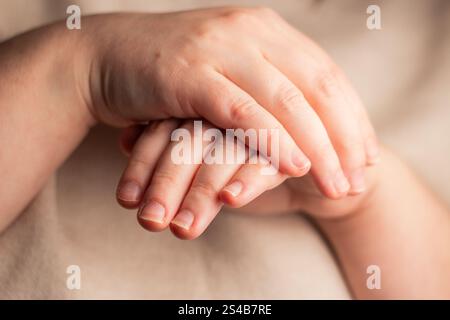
point(402, 73)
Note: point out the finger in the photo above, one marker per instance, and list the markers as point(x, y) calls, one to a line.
point(202, 203)
point(128, 138)
point(286, 102)
point(141, 164)
point(249, 183)
point(319, 82)
point(171, 179)
point(308, 46)
point(227, 106)
point(371, 144)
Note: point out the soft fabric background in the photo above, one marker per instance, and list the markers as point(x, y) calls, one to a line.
point(402, 73)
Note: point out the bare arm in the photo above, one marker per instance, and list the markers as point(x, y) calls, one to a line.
point(42, 116)
point(402, 229)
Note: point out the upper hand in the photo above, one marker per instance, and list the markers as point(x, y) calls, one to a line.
point(237, 68)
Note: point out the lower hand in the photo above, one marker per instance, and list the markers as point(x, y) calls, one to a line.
point(187, 197)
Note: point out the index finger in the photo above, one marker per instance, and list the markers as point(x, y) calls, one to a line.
point(226, 105)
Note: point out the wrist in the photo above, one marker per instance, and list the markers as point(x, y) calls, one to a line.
point(106, 78)
point(64, 67)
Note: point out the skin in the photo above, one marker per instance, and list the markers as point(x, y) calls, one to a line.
point(235, 67)
point(273, 77)
point(118, 73)
point(397, 224)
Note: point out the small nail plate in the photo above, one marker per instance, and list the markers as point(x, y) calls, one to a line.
point(153, 211)
point(184, 219)
point(235, 188)
point(300, 161)
point(341, 183)
point(129, 191)
point(357, 181)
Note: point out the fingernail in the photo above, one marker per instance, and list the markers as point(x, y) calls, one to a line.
point(184, 219)
point(372, 151)
point(300, 161)
point(357, 181)
point(234, 188)
point(341, 183)
point(153, 211)
point(129, 191)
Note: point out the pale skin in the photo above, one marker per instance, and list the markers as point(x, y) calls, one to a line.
point(236, 68)
point(396, 224)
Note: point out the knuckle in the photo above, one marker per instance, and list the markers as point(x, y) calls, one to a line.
point(327, 81)
point(290, 100)
point(139, 160)
point(204, 188)
point(208, 30)
point(163, 178)
point(239, 16)
point(242, 110)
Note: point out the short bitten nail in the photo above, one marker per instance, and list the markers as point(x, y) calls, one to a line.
point(153, 211)
point(300, 161)
point(341, 183)
point(234, 188)
point(129, 191)
point(357, 181)
point(184, 219)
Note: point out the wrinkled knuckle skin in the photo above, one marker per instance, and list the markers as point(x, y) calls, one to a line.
point(327, 81)
point(290, 101)
point(240, 16)
point(164, 179)
point(205, 189)
point(241, 111)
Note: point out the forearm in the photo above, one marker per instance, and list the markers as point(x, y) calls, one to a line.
point(403, 230)
point(42, 113)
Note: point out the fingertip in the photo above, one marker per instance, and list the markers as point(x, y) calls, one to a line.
point(231, 193)
point(127, 204)
point(297, 166)
point(128, 194)
point(184, 226)
point(182, 233)
point(334, 188)
point(152, 216)
point(357, 181)
point(150, 225)
point(229, 199)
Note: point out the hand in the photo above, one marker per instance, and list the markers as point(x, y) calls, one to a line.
point(188, 196)
point(237, 68)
